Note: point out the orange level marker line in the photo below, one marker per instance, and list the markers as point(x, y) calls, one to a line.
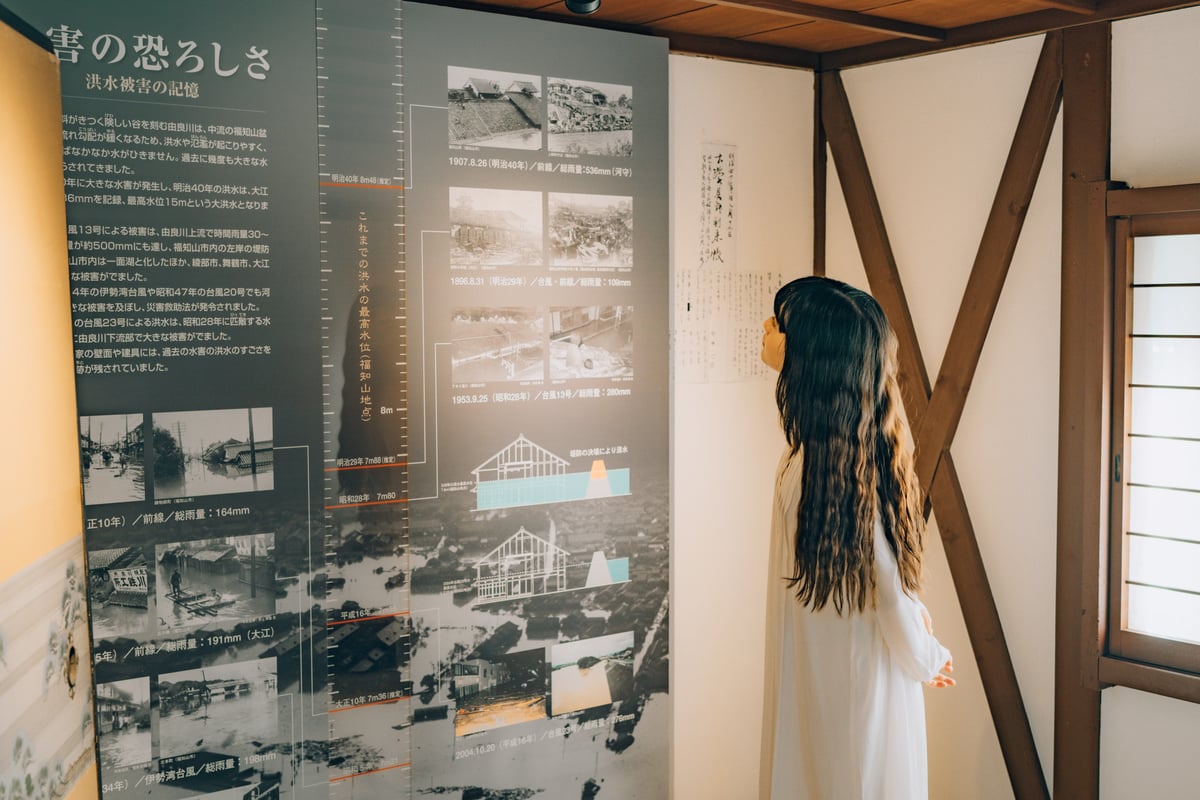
point(371, 772)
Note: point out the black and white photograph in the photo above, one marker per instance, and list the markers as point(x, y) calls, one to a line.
point(118, 590)
point(226, 710)
point(367, 658)
point(498, 690)
point(495, 227)
point(497, 344)
point(216, 451)
point(214, 581)
point(591, 672)
point(112, 452)
point(591, 230)
point(591, 342)
point(369, 739)
point(490, 108)
point(123, 722)
point(589, 118)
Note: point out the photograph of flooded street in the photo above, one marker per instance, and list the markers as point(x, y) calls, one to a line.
point(112, 454)
point(227, 710)
point(123, 722)
point(200, 453)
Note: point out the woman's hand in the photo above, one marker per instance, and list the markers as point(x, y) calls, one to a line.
point(943, 680)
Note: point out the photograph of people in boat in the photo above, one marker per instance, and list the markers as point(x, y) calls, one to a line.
point(497, 344)
point(224, 580)
point(591, 342)
point(112, 455)
point(215, 451)
point(490, 108)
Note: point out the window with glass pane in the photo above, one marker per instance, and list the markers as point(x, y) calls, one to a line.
point(1159, 566)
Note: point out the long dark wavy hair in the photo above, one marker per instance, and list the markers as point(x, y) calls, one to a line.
point(839, 405)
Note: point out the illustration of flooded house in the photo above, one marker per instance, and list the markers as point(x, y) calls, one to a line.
point(520, 459)
point(522, 473)
point(482, 89)
point(115, 709)
point(117, 576)
point(476, 675)
point(522, 566)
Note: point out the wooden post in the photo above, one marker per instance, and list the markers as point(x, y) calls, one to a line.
point(1084, 392)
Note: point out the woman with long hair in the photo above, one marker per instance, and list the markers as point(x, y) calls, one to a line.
point(844, 624)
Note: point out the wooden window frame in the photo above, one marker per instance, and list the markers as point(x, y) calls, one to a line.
point(1137, 660)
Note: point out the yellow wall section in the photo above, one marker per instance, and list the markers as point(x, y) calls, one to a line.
point(42, 509)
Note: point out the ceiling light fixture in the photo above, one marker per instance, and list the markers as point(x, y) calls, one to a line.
point(583, 6)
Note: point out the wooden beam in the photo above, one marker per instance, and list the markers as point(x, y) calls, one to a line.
point(1078, 6)
point(820, 179)
point(1135, 675)
point(996, 669)
point(715, 46)
point(855, 19)
point(998, 30)
point(992, 260)
point(732, 49)
point(1084, 389)
point(871, 234)
point(962, 552)
point(1154, 200)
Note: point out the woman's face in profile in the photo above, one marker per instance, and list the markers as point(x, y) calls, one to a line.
point(773, 344)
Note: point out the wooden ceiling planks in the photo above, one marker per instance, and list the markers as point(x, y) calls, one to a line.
point(773, 32)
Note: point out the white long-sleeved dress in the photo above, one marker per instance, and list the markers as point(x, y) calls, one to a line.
point(855, 697)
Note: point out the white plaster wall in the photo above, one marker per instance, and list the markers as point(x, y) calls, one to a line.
point(1149, 745)
point(1156, 88)
point(726, 440)
point(936, 132)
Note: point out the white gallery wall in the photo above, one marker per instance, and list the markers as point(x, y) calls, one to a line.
point(936, 132)
point(725, 437)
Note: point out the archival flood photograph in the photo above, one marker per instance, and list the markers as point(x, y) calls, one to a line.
point(209, 452)
point(591, 672)
point(112, 452)
point(118, 588)
point(497, 344)
point(589, 118)
point(490, 108)
point(495, 227)
point(591, 342)
point(493, 690)
point(214, 581)
point(123, 722)
point(226, 710)
point(591, 230)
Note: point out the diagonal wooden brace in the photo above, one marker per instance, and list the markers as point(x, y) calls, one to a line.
point(944, 491)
